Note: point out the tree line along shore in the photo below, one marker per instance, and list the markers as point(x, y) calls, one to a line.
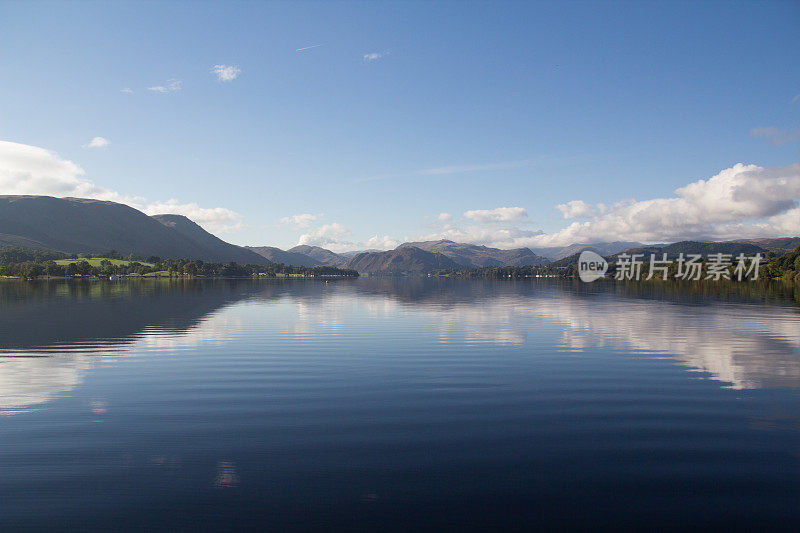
point(785, 267)
point(22, 263)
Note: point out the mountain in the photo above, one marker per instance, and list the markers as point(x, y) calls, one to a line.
point(401, 260)
point(705, 248)
point(556, 253)
point(325, 257)
point(276, 255)
point(696, 247)
point(473, 256)
point(779, 246)
point(733, 248)
point(212, 248)
point(79, 225)
point(353, 253)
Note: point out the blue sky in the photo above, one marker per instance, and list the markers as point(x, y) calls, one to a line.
point(405, 111)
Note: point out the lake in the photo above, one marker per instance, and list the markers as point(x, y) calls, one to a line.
point(398, 404)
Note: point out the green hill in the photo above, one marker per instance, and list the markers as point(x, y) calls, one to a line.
point(78, 225)
point(211, 247)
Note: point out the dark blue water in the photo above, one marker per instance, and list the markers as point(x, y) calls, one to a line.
point(397, 404)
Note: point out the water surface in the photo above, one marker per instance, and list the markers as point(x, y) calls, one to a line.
point(397, 403)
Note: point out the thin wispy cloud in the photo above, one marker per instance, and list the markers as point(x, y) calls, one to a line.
point(373, 56)
point(458, 169)
point(308, 47)
point(796, 98)
point(126, 90)
point(97, 142)
point(171, 86)
point(447, 170)
point(301, 220)
point(774, 135)
point(226, 72)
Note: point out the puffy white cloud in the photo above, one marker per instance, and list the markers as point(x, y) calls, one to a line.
point(787, 223)
point(334, 237)
point(97, 142)
point(492, 235)
point(774, 135)
point(443, 217)
point(580, 209)
point(171, 86)
point(499, 214)
point(214, 219)
point(379, 242)
point(26, 169)
point(324, 236)
point(226, 72)
point(744, 201)
point(301, 220)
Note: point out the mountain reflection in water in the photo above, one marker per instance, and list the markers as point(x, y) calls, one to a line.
point(407, 403)
point(54, 332)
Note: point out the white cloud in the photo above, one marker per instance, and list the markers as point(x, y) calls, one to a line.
point(302, 220)
point(97, 142)
point(373, 56)
point(580, 209)
point(126, 90)
point(774, 135)
point(486, 234)
point(334, 237)
point(499, 214)
point(226, 72)
point(26, 169)
point(214, 219)
point(171, 86)
point(744, 201)
point(326, 235)
point(443, 217)
point(379, 242)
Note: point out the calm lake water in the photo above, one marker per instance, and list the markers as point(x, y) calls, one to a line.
point(399, 404)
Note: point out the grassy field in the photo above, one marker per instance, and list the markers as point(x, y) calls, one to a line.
point(95, 261)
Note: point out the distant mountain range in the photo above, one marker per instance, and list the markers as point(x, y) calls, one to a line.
point(473, 256)
point(276, 255)
point(401, 260)
point(702, 248)
point(326, 257)
point(603, 248)
point(75, 225)
point(410, 257)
